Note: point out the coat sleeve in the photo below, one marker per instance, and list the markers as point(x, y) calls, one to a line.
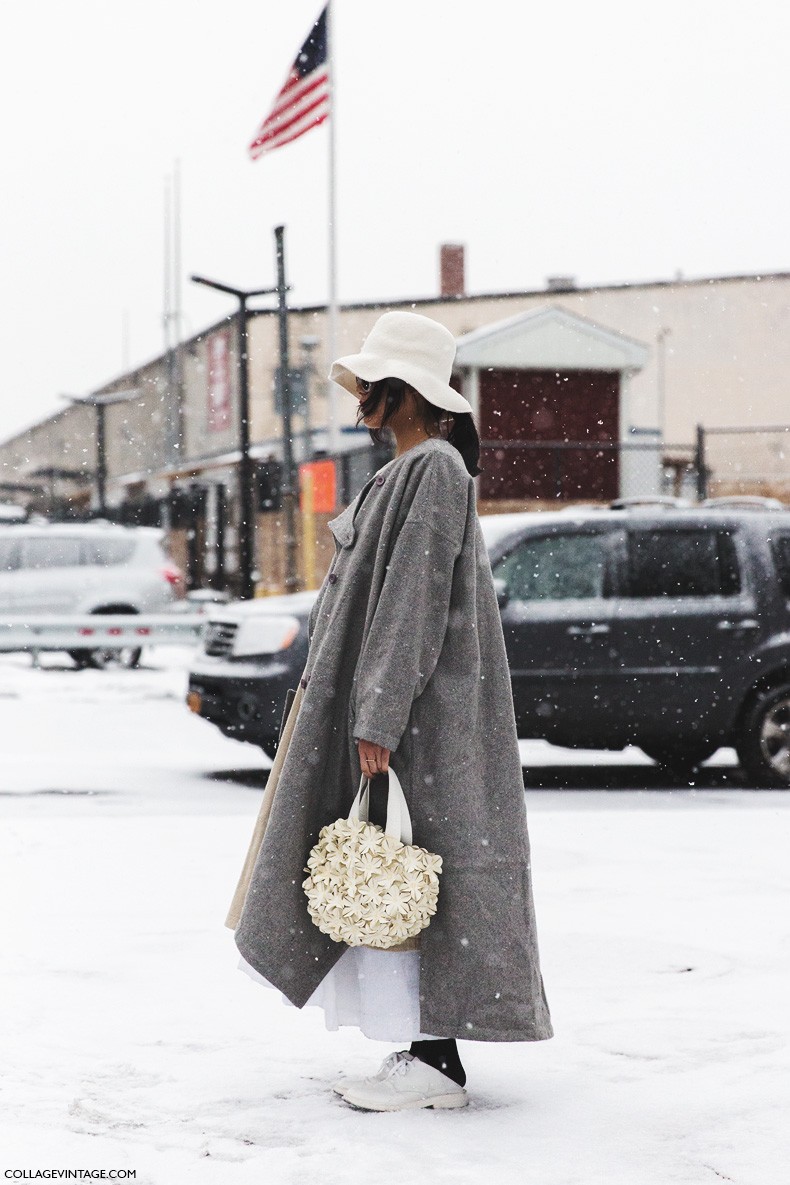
point(410, 620)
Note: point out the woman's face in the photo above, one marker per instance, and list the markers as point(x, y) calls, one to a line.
point(363, 390)
point(405, 415)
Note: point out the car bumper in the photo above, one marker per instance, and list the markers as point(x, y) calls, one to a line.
point(243, 700)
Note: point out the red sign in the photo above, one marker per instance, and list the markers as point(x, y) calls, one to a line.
point(322, 474)
point(218, 411)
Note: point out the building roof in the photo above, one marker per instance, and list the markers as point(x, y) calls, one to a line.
point(417, 302)
point(425, 301)
point(547, 338)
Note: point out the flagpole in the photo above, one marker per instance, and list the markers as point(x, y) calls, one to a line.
point(333, 434)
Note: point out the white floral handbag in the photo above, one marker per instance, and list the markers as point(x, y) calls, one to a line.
point(367, 886)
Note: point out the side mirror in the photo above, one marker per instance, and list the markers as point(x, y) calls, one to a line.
point(502, 592)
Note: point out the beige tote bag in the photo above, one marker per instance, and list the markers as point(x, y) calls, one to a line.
point(261, 822)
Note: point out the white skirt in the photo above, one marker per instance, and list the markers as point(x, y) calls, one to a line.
point(376, 991)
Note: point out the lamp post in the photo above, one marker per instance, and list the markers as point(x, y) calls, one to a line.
point(247, 519)
point(100, 403)
point(289, 492)
point(246, 500)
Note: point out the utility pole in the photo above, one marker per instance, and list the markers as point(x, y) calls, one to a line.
point(246, 488)
point(171, 317)
point(101, 457)
point(702, 465)
point(288, 490)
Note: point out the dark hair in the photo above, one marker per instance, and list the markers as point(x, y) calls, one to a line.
point(456, 427)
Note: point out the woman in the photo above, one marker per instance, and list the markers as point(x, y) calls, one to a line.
point(407, 666)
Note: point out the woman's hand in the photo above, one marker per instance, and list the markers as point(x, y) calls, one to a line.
point(373, 759)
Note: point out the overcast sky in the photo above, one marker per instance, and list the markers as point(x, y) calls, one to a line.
point(612, 141)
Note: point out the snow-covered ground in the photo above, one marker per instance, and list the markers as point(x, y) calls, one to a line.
point(131, 1040)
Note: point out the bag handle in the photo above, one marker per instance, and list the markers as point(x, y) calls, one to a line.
point(398, 817)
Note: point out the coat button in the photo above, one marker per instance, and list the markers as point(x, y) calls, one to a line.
point(380, 481)
point(332, 577)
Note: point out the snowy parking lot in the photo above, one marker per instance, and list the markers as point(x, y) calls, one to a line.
point(132, 1041)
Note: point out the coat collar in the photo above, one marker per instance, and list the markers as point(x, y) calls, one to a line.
point(342, 527)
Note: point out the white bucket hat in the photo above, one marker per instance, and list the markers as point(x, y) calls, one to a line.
point(409, 347)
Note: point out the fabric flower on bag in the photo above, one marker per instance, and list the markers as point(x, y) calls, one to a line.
point(366, 888)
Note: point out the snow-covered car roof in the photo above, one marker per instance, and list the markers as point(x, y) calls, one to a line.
point(290, 603)
point(79, 529)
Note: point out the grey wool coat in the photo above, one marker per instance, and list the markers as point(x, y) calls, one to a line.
point(406, 650)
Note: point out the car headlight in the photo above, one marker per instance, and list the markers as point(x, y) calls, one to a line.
point(264, 635)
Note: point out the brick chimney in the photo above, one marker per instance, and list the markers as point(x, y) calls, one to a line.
point(451, 269)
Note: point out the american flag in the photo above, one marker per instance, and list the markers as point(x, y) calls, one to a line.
point(303, 102)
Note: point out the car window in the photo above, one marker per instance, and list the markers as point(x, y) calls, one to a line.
point(555, 568)
point(681, 563)
point(781, 550)
point(51, 551)
point(106, 552)
point(9, 555)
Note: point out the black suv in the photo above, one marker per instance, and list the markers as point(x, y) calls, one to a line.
point(659, 625)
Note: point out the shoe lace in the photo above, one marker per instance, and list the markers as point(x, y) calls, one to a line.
point(399, 1063)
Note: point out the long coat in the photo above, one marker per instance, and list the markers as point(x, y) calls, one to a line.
point(406, 650)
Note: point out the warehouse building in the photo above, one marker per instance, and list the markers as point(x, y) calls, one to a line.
point(581, 394)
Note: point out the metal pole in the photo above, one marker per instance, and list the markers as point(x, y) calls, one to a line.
point(193, 540)
point(333, 434)
point(245, 470)
point(219, 532)
point(177, 301)
point(101, 458)
point(246, 507)
point(167, 325)
point(168, 264)
point(702, 470)
point(291, 576)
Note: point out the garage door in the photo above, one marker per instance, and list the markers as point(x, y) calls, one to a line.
point(543, 407)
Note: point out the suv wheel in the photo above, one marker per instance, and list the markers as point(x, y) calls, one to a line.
point(107, 658)
point(122, 658)
point(763, 744)
point(680, 758)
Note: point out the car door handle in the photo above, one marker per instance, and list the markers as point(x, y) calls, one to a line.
point(587, 631)
point(746, 625)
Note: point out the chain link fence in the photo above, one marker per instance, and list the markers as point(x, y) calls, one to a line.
point(720, 462)
point(559, 471)
point(745, 461)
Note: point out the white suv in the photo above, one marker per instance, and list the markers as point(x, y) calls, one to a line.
point(86, 568)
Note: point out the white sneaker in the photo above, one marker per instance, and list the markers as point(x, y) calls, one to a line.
point(407, 1084)
point(341, 1086)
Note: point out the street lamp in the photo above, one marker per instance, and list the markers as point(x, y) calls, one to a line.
point(100, 403)
point(246, 505)
point(246, 502)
